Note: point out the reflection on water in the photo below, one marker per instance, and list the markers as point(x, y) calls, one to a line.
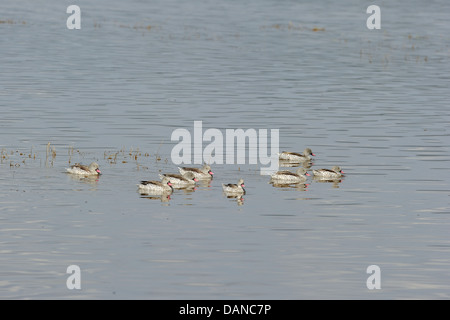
point(335, 182)
point(238, 198)
point(205, 183)
point(296, 186)
point(304, 164)
point(161, 197)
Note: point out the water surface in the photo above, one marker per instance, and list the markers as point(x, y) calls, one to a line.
point(373, 102)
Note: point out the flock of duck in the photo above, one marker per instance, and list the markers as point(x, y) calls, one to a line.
point(188, 176)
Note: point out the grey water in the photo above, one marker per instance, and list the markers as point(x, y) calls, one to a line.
point(374, 102)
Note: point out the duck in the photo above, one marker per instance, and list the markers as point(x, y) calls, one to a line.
point(335, 173)
point(79, 169)
point(296, 157)
point(156, 187)
point(290, 177)
point(200, 173)
point(180, 181)
point(235, 189)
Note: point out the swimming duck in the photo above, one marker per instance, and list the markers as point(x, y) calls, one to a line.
point(296, 157)
point(92, 169)
point(335, 173)
point(180, 181)
point(290, 177)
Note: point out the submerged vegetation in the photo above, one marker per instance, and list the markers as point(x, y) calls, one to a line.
point(291, 27)
point(68, 155)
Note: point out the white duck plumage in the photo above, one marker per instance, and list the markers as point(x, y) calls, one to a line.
point(79, 169)
point(156, 187)
point(200, 173)
point(180, 181)
point(296, 157)
point(234, 188)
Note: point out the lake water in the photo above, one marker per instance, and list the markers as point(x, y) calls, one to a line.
point(375, 102)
